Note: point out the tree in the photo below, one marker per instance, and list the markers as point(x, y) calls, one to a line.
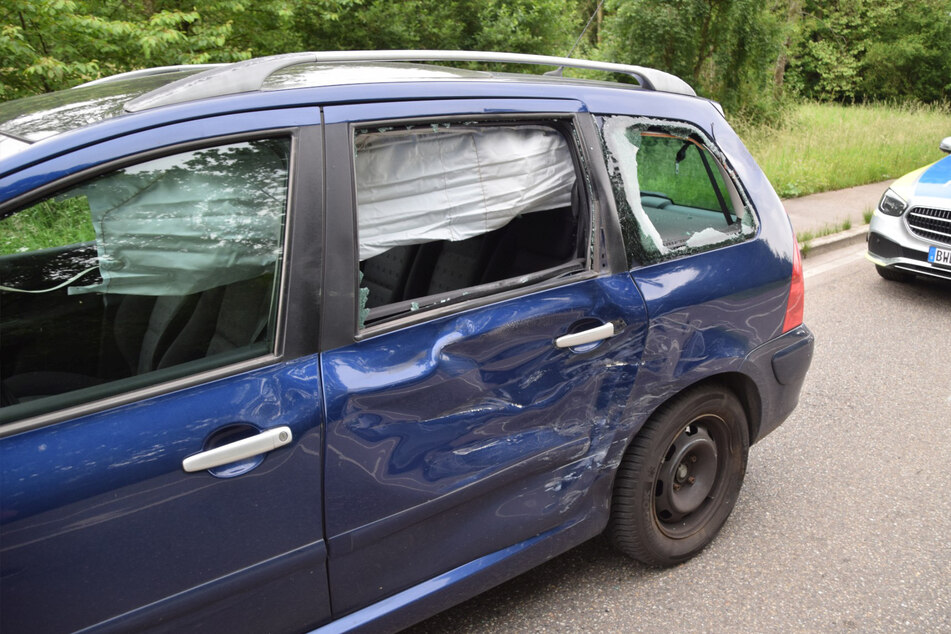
point(528, 26)
point(744, 53)
point(728, 49)
point(910, 54)
point(873, 49)
point(52, 44)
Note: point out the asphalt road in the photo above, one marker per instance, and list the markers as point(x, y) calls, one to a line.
point(844, 522)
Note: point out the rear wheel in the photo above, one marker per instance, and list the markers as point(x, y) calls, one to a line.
point(892, 275)
point(680, 478)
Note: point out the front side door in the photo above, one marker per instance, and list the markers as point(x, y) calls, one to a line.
point(479, 356)
point(162, 439)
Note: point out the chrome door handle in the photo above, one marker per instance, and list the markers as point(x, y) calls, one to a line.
point(239, 450)
point(603, 331)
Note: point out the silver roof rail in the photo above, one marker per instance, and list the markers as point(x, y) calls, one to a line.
point(250, 75)
point(146, 72)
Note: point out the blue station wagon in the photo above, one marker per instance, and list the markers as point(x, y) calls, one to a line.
point(337, 340)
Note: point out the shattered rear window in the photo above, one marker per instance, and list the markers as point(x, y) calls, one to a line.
point(674, 196)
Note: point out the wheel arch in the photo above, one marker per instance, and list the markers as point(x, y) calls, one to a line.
point(741, 385)
point(746, 391)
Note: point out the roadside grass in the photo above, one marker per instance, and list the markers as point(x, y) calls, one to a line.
point(821, 147)
point(51, 223)
point(805, 238)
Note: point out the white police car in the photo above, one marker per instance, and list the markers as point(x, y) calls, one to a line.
point(910, 233)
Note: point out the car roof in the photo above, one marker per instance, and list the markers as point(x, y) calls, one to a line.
point(31, 119)
point(25, 121)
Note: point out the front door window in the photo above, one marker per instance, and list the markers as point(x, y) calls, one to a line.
point(142, 274)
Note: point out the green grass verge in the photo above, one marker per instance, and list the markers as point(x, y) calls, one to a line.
point(822, 147)
point(51, 223)
point(805, 238)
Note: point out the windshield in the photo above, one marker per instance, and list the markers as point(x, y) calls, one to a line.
point(33, 118)
point(11, 145)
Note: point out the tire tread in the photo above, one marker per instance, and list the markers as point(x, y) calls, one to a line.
point(628, 526)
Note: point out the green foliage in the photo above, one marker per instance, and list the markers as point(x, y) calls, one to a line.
point(53, 44)
point(873, 50)
point(48, 224)
point(727, 49)
point(911, 55)
point(537, 26)
point(831, 146)
point(826, 65)
point(750, 55)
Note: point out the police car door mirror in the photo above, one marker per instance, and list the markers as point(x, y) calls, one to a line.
point(945, 145)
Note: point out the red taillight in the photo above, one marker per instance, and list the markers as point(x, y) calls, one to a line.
point(797, 292)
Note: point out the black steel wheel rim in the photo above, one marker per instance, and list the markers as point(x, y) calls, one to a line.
point(690, 480)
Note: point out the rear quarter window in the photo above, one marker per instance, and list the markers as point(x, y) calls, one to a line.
point(674, 195)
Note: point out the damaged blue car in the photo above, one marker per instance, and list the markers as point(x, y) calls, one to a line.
point(335, 340)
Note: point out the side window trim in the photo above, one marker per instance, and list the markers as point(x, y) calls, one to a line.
point(501, 294)
point(134, 395)
point(200, 371)
point(450, 299)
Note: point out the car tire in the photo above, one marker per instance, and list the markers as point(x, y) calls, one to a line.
point(892, 275)
point(680, 478)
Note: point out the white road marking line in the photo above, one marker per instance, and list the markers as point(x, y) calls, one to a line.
point(831, 265)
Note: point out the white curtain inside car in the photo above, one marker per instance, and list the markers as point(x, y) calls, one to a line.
point(189, 222)
point(454, 183)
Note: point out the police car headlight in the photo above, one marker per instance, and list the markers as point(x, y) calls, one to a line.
point(892, 204)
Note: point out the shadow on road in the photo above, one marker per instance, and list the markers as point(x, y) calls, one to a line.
point(920, 287)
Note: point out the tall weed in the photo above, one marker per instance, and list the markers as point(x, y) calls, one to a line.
point(820, 147)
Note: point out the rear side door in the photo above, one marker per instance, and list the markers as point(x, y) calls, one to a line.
point(709, 270)
point(461, 418)
point(158, 329)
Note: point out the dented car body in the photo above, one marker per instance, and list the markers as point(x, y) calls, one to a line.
point(345, 348)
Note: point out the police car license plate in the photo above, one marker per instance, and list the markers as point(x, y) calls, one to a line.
point(940, 257)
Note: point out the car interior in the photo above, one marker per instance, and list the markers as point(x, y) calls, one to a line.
point(515, 215)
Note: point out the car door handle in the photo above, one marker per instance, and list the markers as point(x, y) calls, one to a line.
point(239, 450)
point(586, 336)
